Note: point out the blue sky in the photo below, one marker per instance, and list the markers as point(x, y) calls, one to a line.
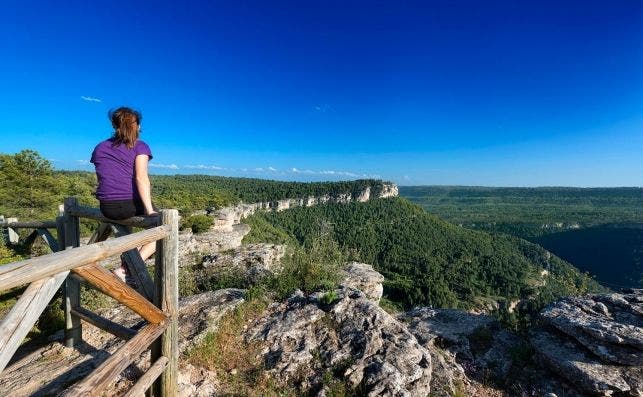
point(428, 92)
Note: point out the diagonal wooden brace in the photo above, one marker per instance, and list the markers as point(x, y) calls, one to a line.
point(111, 285)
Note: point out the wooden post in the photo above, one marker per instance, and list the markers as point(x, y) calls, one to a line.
point(71, 233)
point(166, 297)
point(12, 235)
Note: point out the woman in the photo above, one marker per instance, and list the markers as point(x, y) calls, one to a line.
point(121, 167)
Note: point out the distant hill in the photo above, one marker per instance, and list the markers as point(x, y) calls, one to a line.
point(427, 261)
point(596, 229)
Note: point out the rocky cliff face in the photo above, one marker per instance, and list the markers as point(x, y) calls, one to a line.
point(229, 216)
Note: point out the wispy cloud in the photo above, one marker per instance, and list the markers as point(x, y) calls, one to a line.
point(167, 166)
point(295, 170)
point(321, 108)
point(90, 99)
point(203, 167)
point(273, 169)
point(82, 162)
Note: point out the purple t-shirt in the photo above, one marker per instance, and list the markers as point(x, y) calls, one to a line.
point(115, 169)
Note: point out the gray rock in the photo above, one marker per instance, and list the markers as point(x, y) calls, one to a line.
point(372, 349)
point(364, 278)
point(250, 262)
point(610, 326)
point(595, 342)
point(588, 373)
point(476, 340)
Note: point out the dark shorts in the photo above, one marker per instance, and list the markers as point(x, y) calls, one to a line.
point(122, 209)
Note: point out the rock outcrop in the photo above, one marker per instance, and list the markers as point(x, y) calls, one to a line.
point(595, 342)
point(466, 348)
point(250, 262)
point(346, 333)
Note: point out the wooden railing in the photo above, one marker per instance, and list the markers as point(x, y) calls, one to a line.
point(155, 301)
point(41, 229)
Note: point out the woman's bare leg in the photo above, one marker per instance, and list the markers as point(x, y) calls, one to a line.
point(147, 250)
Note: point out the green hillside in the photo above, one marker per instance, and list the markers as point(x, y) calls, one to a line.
point(427, 261)
point(598, 230)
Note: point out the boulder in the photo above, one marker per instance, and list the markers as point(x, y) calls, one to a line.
point(364, 278)
point(595, 342)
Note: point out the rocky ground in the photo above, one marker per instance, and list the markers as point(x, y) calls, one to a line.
point(586, 346)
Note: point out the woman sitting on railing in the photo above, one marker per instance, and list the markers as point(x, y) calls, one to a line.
point(123, 183)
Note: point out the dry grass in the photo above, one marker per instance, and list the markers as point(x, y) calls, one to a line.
point(238, 364)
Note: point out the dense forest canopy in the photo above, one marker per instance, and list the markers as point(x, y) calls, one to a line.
point(427, 261)
point(31, 189)
point(529, 212)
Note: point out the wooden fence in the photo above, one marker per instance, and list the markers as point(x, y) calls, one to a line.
point(156, 301)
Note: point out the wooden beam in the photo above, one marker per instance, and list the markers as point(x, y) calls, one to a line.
point(111, 285)
point(23, 315)
point(23, 272)
point(101, 233)
point(94, 213)
point(104, 324)
point(71, 292)
point(136, 266)
point(148, 378)
point(29, 224)
point(49, 239)
point(97, 381)
point(167, 298)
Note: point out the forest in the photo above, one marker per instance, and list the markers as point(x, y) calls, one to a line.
point(427, 261)
point(528, 212)
point(599, 230)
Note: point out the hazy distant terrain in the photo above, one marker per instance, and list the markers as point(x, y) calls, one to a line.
point(599, 230)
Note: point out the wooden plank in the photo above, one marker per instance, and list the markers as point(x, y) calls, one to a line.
point(21, 318)
point(137, 268)
point(49, 239)
point(107, 372)
point(167, 298)
point(23, 272)
point(30, 239)
point(101, 233)
point(111, 285)
point(104, 324)
point(148, 378)
point(71, 292)
point(94, 213)
point(29, 224)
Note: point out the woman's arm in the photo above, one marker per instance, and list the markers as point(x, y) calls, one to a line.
point(143, 182)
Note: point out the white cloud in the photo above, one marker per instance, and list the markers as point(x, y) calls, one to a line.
point(82, 162)
point(168, 166)
point(259, 169)
point(295, 170)
point(203, 167)
point(406, 178)
point(273, 169)
point(90, 99)
point(321, 108)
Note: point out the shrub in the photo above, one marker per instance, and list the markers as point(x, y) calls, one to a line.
point(198, 223)
point(315, 267)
